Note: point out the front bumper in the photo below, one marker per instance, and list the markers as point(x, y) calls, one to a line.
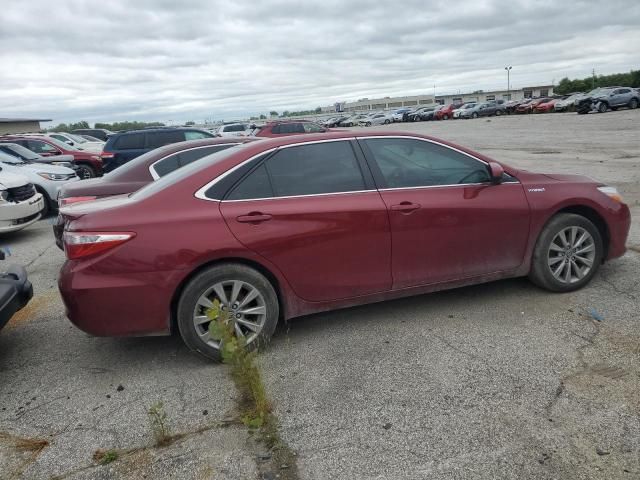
point(15, 292)
point(16, 216)
point(619, 225)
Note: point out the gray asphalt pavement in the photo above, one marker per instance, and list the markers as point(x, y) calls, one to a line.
point(496, 381)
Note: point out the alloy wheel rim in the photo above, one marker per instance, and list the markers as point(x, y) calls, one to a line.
point(245, 304)
point(571, 254)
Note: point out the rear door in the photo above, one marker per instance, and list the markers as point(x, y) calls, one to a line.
point(447, 220)
point(311, 209)
point(126, 147)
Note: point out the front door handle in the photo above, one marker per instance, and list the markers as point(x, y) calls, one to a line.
point(405, 207)
point(254, 217)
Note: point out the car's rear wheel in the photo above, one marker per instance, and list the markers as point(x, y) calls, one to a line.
point(567, 253)
point(387, 122)
point(498, 113)
point(474, 115)
point(603, 107)
point(245, 294)
point(633, 104)
point(368, 124)
point(85, 171)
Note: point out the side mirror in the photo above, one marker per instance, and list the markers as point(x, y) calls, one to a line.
point(68, 142)
point(496, 171)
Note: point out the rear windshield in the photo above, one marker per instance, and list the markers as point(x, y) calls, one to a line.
point(180, 174)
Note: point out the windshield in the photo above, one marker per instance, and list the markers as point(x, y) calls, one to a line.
point(180, 174)
point(469, 105)
point(58, 143)
point(22, 151)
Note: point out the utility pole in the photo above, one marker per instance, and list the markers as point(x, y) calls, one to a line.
point(508, 69)
point(593, 79)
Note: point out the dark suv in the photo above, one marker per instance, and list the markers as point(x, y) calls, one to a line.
point(125, 146)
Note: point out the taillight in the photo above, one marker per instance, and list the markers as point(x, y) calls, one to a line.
point(107, 155)
point(71, 200)
point(84, 244)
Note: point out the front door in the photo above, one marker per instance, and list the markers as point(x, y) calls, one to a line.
point(309, 210)
point(448, 221)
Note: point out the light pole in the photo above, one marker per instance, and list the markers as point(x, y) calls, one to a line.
point(508, 69)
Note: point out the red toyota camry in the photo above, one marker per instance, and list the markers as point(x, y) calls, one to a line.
point(300, 224)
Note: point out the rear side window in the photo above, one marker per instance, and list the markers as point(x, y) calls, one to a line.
point(158, 139)
point(255, 185)
point(312, 128)
point(130, 141)
point(180, 159)
point(195, 135)
point(288, 128)
point(304, 170)
point(40, 147)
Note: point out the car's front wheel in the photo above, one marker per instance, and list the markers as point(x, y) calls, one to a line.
point(633, 104)
point(85, 171)
point(567, 254)
point(603, 107)
point(244, 294)
point(474, 115)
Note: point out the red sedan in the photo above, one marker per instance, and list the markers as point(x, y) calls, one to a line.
point(447, 112)
point(545, 106)
point(301, 224)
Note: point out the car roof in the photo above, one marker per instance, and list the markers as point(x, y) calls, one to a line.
point(156, 129)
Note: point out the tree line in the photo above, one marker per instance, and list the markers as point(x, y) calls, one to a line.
point(630, 79)
point(114, 127)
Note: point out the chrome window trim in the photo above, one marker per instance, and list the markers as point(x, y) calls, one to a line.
point(298, 196)
point(155, 175)
point(201, 192)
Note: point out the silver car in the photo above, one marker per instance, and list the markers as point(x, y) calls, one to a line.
point(377, 119)
point(48, 179)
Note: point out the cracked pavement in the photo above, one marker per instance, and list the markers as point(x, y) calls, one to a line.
point(496, 381)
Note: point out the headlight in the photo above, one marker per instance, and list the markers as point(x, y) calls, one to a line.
point(54, 176)
point(612, 193)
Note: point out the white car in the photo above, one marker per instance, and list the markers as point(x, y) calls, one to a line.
point(458, 111)
point(74, 141)
point(234, 130)
point(20, 203)
point(48, 179)
point(377, 119)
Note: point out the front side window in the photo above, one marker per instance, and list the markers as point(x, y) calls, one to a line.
point(406, 163)
point(289, 128)
point(60, 137)
point(312, 128)
point(304, 170)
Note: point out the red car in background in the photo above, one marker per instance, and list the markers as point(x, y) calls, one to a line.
point(545, 106)
point(140, 171)
point(289, 226)
point(288, 127)
point(446, 112)
point(88, 164)
point(528, 107)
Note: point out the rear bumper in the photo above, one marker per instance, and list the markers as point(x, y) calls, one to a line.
point(15, 292)
point(105, 305)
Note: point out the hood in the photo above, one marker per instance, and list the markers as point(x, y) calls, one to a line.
point(46, 168)
point(565, 177)
point(11, 180)
point(55, 159)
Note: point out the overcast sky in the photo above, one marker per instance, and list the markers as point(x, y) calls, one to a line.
point(201, 59)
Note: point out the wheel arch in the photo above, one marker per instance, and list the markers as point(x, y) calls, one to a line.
point(273, 279)
point(592, 215)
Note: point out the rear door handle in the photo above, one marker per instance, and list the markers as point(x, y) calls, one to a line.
point(254, 217)
point(405, 207)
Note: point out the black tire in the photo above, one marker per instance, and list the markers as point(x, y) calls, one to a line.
point(633, 104)
point(474, 115)
point(603, 107)
point(445, 117)
point(541, 274)
point(207, 278)
point(85, 171)
point(387, 122)
point(498, 113)
point(368, 124)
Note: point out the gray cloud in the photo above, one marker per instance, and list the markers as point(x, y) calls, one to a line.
point(167, 60)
